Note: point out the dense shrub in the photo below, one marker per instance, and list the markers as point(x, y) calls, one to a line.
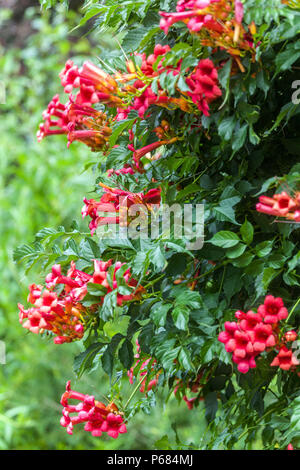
point(199, 107)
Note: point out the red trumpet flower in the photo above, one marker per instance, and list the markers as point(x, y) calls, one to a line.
point(97, 417)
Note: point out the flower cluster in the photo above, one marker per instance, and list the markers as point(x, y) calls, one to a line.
point(97, 417)
point(254, 333)
point(101, 276)
point(280, 205)
point(218, 23)
point(198, 15)
point(78, 118)
point(203, 83)
point(285, 359)
point(123, 91)
point(118, 202)
point(93, 83)
point(144, 95)
point(77, 121)
point(63, 312)
point(143, 371)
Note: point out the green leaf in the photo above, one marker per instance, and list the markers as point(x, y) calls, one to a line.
point(225, 239)
point(157, 258)
point(248, 112)
point(211, 406)
point(163, 443)
point(236, 251)
point(84, 360)
point(126, 354)
point(133, 38)
point(118, 128)
point(239, 137)
point(266, 185)
point(224, 74)
point(286, 112)
point(233, 282)
point(226, 127)
point(184, 359)
point(185, 296)
point(243, 260)
point(109, 304)
point(264, 248)
point(108, 358)
point(119, 325)
point(226, 212)
point(180, 315)
point(285, 59)
point(96, 290)
point(167, 359)
point(145, 337)
point(158, 313)
point(247, 232)
point(182, 85)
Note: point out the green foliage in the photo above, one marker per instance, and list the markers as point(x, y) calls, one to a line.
point(41, 186)
point(248, 145)
point(37, 188)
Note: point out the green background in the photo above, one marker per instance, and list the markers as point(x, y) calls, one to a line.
point(42, 185)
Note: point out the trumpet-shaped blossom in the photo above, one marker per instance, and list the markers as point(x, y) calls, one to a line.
point(93, 83)
point(204, 85)
point(262, 337)
point(63, 313)
point(149, 61)
point(138, 154)
point(78, 119)
point(100, 276)
point(78, 122)
point(238, 343)
point(118, 202)
point(218, 23)
point(254, 333)
point(285, 359)
point(205, 91)
point(193, 13)
point(52, 126)
point(238, 11)
point(273, 310)
point(280, 205)
point(50, 312)
point(97, 417)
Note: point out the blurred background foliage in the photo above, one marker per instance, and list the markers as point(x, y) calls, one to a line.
point(42, 185)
